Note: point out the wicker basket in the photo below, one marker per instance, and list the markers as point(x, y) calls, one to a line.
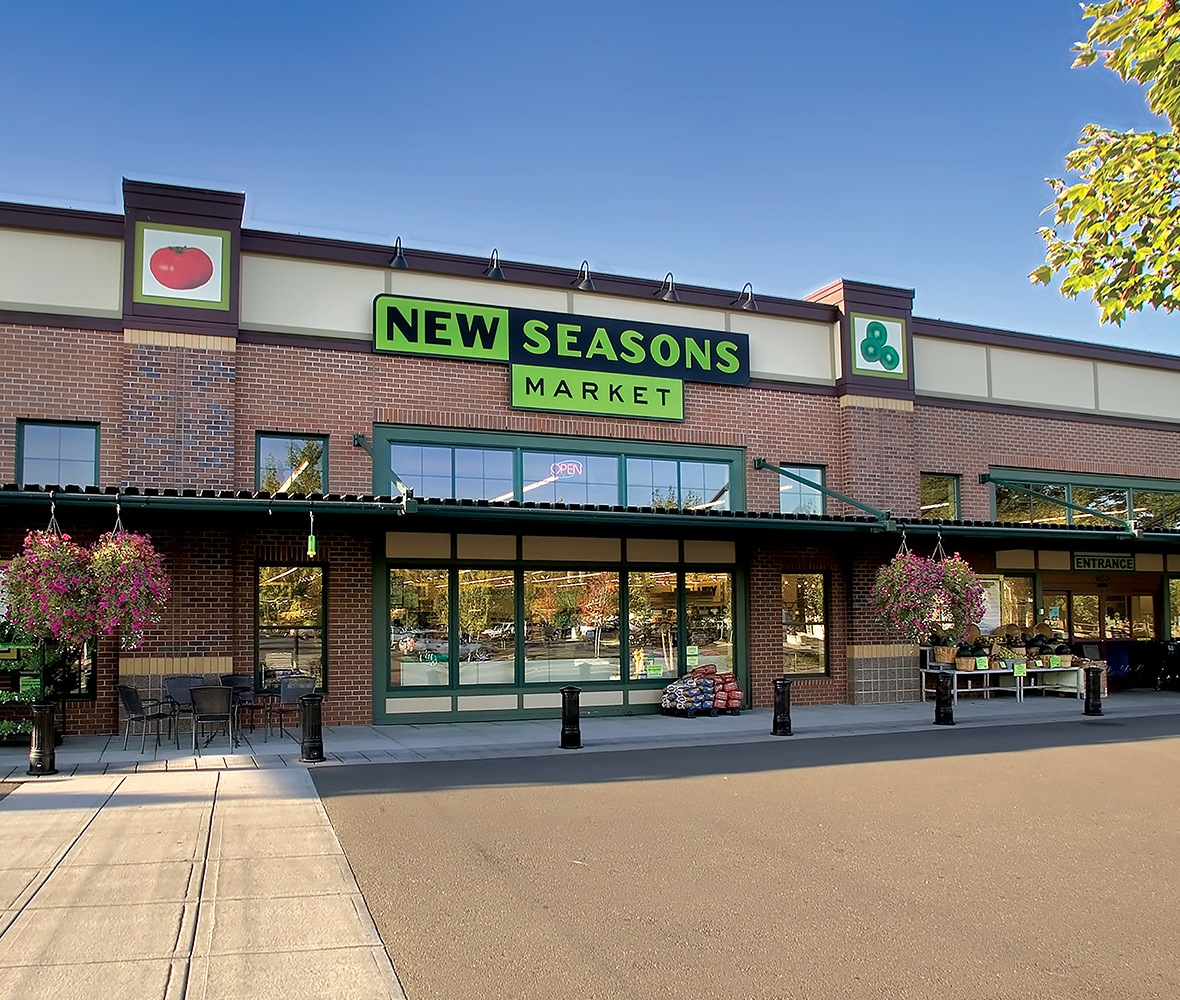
point(964, 662)
point(943, 654)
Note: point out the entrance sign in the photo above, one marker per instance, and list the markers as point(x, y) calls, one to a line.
point(566, 362)
point(1098, 562)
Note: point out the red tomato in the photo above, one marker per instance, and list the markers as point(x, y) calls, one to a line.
point(181, 267)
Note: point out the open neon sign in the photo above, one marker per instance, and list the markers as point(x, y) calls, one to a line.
point(565, 470)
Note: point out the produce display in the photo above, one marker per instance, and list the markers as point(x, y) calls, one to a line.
point(1038, 647)
point(703, 690)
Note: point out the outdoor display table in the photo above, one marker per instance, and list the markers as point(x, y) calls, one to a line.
point(1005, 680)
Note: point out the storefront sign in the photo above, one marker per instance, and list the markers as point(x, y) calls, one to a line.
point(1097, 562)
point(611, 367)
point(567, 390)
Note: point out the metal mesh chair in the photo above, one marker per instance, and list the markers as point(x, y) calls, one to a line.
point(213, 704)
point(242, 686)
point(291, 689)
point(143, 711)
point(177, 689)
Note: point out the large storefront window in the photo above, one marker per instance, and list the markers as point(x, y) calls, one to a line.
point(419, 627)
point(708, 615)
point(487, 626)
point(653, 625)
point(571, 620)
point(482, 465)
point(291, 616)
point(805, 649)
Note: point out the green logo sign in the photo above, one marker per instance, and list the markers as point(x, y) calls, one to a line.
point(568, 363)
point(878, 346)
point(567, 390)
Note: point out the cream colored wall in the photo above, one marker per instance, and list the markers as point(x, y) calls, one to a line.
point(958, 370)
point(58, 273)
point(787, 348)
point(289, 295)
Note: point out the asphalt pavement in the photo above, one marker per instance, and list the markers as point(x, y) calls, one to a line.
point(1000, 862)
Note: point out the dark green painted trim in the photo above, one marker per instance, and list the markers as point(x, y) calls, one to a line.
point(20, 446)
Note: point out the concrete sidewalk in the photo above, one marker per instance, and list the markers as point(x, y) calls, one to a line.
point(219, 885)
point(82, 755)
point(135, 875)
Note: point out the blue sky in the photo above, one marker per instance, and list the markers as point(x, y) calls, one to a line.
point(782, 143)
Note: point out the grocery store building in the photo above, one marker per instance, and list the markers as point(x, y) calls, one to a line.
point(520, 476)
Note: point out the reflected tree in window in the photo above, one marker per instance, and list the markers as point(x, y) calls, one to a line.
point(291, 464)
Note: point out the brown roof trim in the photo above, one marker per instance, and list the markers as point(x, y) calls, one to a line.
point(57, 321)
point(175, 199)
point(299, 340)
point(1071, 416)
point(60, 220)
point(948, 330)
point(463, 266)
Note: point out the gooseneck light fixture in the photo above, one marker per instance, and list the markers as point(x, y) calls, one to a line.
point(398, 260)
point(745, 299)
point(583, 281)
point(667, 291)
point(493, 270)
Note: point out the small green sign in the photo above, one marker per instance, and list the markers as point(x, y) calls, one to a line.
point(1020, 669)
point(693, 650)
point(1055, 661)
point(694, 661)
point(441, 329)
point(981, 663)
point(565, 390)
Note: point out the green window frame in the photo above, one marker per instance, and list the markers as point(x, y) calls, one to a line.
point(939, 496)
point(693, 463)
point(795, 498)
point(41, 444)
point(302, 469)
point(290, 623)
point(800, 617)
point(428, 666)
point(1151, 503)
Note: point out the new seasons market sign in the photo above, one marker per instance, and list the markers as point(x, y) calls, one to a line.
point(568, 363)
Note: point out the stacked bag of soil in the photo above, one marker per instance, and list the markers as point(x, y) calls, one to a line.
point(702, 689)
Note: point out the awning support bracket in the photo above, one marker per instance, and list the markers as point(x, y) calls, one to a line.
point(884, 517)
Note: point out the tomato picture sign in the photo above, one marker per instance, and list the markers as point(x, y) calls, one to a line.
point(182, 266)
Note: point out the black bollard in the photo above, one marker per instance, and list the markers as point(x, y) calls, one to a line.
point(42, 758)
point(311, 711)
point(782, 707)
point(1093, 704)
point(944, 705)
point(571, 726)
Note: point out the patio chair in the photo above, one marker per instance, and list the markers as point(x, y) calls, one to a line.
point(212, 704)
point(177, 689)
point(242, 686)
point(143, 711)
point(291, 689)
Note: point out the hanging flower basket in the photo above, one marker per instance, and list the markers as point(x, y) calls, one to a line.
point(914, 596)
point(130, 586)
point(49, 586)
point(64, 593)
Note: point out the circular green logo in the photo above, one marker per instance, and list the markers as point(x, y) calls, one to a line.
point(875, 349)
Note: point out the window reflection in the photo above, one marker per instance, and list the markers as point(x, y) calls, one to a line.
point(665, 484)
point(708, 610)
point(487, 626)
point(419, 624)
point(559, 477)
point(797, 498)
point(290, 622)
point(653, 625)
point(571, 626)
point(939, 499)
point(292, 464)
point(804, 624)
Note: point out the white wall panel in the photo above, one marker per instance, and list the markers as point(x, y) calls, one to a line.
point(59, 273)
point(655, 311)
point(290, 295)
point(787, 349)
point(1034, 379)
point(1145, 392)
point(481, 291)
point(950, 368)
